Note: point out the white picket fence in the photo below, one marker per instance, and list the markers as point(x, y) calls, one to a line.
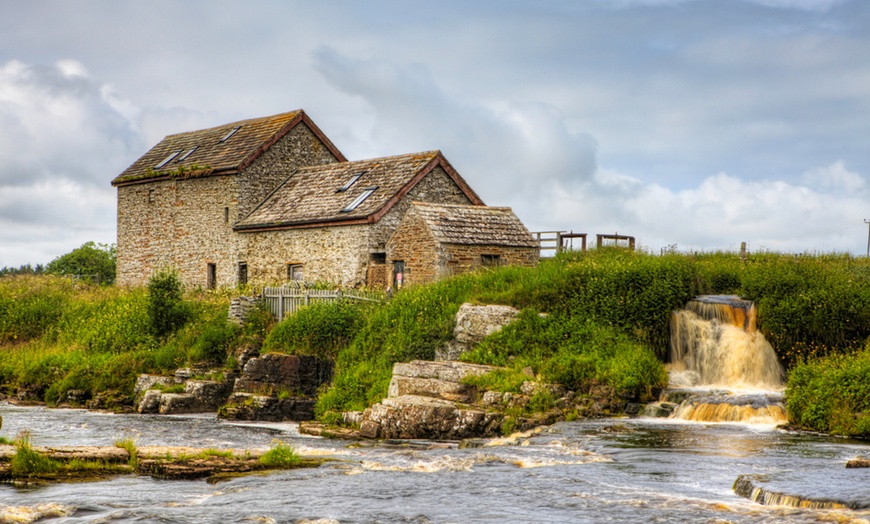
point(289, 298)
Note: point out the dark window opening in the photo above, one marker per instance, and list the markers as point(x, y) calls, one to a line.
point(226, 214)
point(150, 195)
point(398, 274)
point(243, 273)
point(490, 260)
point(294, 271)
point(211, 276)
point(379, 258)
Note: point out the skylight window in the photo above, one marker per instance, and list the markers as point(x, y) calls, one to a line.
point(231, 133)
point(360, 199)
point(168, 159)
point(182, 157)
point(350, 182)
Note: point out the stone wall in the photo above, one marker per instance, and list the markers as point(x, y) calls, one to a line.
point(187, 223)
point(463, 258)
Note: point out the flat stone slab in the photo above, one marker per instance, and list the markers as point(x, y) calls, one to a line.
point(448, 371)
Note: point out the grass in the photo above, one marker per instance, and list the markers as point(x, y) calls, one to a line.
point(280, 456)
point(27, 462)
point(130, 445)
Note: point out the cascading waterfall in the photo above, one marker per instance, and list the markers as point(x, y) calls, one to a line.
point(722, 369)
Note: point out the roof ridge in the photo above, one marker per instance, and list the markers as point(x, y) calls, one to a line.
point(289, 114)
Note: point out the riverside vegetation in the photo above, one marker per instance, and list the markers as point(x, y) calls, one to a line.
point(598, 318)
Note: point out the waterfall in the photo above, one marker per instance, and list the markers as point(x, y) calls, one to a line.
point(714, 341)
point(721, 369)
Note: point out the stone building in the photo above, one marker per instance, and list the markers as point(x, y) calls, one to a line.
point(438, 240)
point(271, 199)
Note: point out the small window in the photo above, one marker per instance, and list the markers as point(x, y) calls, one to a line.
point(379, 258)
point(168, 159)
point(226, 215)
point(243, 273)
point(350, 182)
point(151, 196)
point(231, 133)
point(184, 156)
point(211, 276)
point(294, 272)
point(490, 260)
point(360, 199)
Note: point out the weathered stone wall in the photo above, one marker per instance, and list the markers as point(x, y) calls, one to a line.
point(332, 254)
point(187, 223)
point(414, 244)
point(463, 258)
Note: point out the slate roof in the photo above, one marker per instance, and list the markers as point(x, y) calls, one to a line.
point(315, 196)
point(212, 155)
point(474, 225)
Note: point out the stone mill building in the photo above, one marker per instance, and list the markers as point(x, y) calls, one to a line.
point(272, 199)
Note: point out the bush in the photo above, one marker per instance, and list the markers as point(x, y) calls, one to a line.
point(321, 330)
point(280, 455)
point(215, 342)
point(166, 308)
point(831, 394)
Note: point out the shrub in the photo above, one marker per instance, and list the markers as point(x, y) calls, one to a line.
point(27, 461)
point(321, 329)
point(215, 341)
point(166, 308)
point(280, 455)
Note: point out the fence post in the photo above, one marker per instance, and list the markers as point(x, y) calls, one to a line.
point(280, 303)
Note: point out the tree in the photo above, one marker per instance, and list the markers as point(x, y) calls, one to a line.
point(167, 310)
point(88, 260)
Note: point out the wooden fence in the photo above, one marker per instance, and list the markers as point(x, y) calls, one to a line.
point(287, 299)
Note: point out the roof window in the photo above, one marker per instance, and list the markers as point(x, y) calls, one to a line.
point(360, 199)
point(350, 182)
point(184, 156)
point(231, 133)
point(167, 159)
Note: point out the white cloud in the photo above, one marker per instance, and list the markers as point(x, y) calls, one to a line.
point(63, 137)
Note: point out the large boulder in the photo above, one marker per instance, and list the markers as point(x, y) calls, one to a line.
point(417, 417)
point(273, 373)
point(473, 324)
point(250, 406)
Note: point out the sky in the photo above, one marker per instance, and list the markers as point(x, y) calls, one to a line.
point(692, 125)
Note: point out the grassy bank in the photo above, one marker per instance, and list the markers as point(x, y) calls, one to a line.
point(605, 323)
point(56, 337)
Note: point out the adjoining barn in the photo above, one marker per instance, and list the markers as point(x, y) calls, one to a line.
point(439, 240)
point(271, 199)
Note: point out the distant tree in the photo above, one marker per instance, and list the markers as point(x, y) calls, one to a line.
point(89, 259)
point(24, 269)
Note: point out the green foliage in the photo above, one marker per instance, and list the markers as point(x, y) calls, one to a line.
point(831, 394)
point(321, 330)
point(129, 445)
point(576, 353)
point(280, 455)
point(215, 342)
point(93, 262)
point(29, 462)
point(166, 308)
point(31, 306)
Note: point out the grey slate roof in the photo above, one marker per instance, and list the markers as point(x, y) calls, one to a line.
point(212, 156)
point(313, 195)
point(474, 225)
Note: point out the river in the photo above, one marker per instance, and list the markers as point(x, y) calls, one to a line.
point(616, 470)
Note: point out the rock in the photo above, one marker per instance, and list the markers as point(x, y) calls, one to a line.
point(473, 324)
point(858, 463)
point(416, 417)
point(150, 402)
point(178, 403)
point(747, 486)
point(250, 406)
point(145, 382)
point(209, 394)
point(76, 396)
point(352, 418)
point(300, 375)
point(446, 371)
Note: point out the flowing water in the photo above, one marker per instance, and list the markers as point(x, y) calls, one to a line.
point(717, 423)
point(622, 470)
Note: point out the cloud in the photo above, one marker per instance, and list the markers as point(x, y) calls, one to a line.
point(63, 137)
